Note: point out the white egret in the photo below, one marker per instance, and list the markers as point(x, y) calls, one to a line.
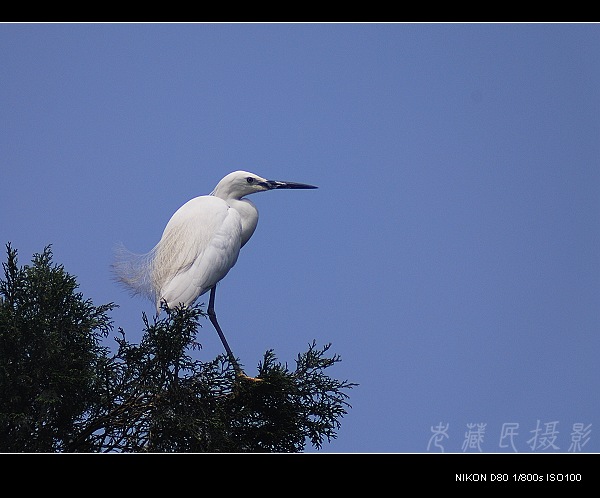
point(198, 247)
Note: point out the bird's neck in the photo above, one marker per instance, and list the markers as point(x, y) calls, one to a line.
point(248, 214)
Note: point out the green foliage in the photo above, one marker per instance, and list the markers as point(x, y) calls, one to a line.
point(162, 400)
point(60, 390)
point(50, 354)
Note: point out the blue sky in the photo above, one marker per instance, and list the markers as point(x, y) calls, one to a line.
point(450, 254)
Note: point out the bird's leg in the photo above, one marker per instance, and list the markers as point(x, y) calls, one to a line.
point(213, 319)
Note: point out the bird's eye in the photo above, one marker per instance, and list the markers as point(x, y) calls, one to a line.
point(250, 179)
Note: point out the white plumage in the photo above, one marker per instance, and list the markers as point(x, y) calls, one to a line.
point(200, 243)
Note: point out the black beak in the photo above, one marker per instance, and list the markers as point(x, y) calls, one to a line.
point(273, 184)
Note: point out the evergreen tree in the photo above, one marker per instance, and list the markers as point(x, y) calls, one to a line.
point(50, 355)
point(62, 391)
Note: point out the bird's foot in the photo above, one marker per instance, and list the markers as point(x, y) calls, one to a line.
point(242, 375)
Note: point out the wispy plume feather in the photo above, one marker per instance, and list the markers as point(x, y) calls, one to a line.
point(134, 271)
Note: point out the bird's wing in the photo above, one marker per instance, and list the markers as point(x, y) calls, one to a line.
point(200, 244)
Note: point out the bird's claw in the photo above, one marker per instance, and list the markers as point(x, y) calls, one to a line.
point(243, 376)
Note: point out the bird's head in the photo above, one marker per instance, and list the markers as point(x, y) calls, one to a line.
point(240, 183)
